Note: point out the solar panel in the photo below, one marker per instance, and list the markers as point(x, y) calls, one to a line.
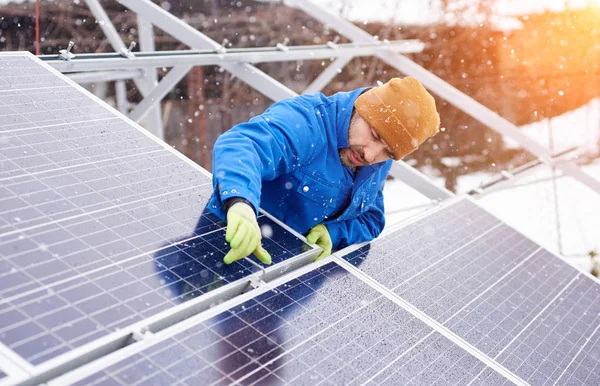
point(507, 296)
point(102, 228)
point(324, 327)
point(101, 225)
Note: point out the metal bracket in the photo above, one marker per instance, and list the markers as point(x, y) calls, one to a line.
point(141, 334)
point(66, 54)
point(333, 44)
point(221, 49)
point(516, 173)
point(283, 46)
point(256, 281)
point(127, 53)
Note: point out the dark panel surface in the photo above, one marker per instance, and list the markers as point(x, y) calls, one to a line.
point(100, 225)
point(502, 293)
point(326, 327)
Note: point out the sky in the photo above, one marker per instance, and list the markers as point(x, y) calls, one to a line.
point(424, 12)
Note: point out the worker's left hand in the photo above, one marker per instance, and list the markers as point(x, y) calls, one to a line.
point(320, 235)
point(243, 234)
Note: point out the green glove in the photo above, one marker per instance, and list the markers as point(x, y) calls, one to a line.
point(320, 235)
point(243, 234)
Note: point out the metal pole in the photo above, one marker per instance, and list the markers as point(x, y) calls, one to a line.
point(163, 88)
point(327, 75)
point(103, 61)
point(104, 76)
point(121, 92)
point(150, 80)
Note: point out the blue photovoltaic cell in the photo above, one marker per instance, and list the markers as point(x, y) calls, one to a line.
point(493, 287)
point(100, 225)
point(325, 327)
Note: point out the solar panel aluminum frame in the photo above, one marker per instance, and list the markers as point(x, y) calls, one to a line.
point(88, 370)
point(444, 331)
point(440, 206)
point(16, 370)
point(12, 365)
point(338, 258)
point(114, 354)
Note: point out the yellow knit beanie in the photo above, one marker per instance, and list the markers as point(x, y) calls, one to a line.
point(402, 113)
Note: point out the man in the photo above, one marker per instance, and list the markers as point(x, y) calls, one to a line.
point(318, 164)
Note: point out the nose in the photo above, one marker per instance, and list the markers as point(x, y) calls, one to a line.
point(372, 152)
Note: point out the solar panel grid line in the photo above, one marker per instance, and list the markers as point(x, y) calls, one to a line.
point(392, 363)
point(49, 126)
point(70, 83)
point(79, 165)
point(103, 190)
point(66, 255)
point(594, 374)
point(522, 317)
point(589, 341)
point(436, 326)
point(456, 251)
point(421, 265)
point(90, 213)
point(563, 335)
point(108, 274)
point(504, 276)
point(539, 280)
point(449, 290)
point(310, 258)
point(105, 207)
point(101, 164)
point(164, 229)
point(129, 370)
point(69, 224)
point(174, 329)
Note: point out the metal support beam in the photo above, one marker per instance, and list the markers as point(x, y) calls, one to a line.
point(150, 80)
point(327, 75)
point(419, 181)
point(147, 60)
point(113, 37)
point(440, 87)
point(106, 25)
point(104, 76)
point(196, 40)
point(121, 93)
point(162, 89)
point(246, 72)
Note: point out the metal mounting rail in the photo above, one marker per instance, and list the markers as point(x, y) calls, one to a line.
point(148, 327)
point(115, 61)
point(508, 178)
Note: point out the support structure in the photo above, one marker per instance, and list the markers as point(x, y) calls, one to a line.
point(238, 63)
point(440, 87)
point(144, 85)
point(162, 89)
point(345, 52)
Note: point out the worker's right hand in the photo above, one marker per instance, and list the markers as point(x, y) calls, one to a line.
point(243, 234)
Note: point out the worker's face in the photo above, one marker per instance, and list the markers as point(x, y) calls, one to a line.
point(365, 146)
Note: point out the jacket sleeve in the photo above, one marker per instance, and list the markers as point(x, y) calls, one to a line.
point(282, 139)
point(365, 227)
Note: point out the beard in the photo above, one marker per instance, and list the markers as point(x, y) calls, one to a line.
point(347, 160)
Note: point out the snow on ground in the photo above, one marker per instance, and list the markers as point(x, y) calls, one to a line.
point(529, 205)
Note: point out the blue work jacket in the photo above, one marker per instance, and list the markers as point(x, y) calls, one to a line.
point(286, 161)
